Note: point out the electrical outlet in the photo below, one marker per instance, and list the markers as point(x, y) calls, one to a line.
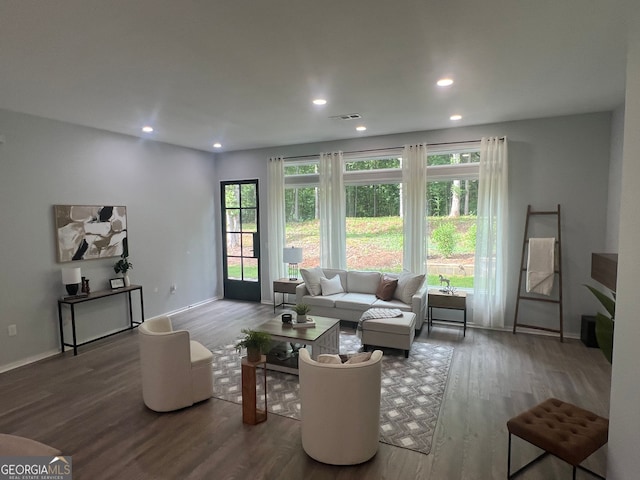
point(173, 288)
point(13, 330)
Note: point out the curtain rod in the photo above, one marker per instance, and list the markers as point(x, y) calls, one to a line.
point(388, 148)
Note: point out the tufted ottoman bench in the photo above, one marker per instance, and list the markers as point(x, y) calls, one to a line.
point(391, 332)
point(561, 429)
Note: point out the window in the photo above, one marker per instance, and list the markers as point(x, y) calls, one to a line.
point(452, 198)
point(374, 225)
point(373, 206)
point(302, 224)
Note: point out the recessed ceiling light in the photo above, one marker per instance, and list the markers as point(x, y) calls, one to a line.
point(319, 101)
point(455, 117)
point(147, 129)
point(445, 82)
point(217, 145)
point(361, 128)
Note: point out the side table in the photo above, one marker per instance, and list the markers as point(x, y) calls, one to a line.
point(438, 299)
point(284, 286)
point(251, 414)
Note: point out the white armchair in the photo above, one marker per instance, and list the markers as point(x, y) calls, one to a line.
point(176, 371)
point(340, 409)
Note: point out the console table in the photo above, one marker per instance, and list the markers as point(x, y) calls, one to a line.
point(72, 301)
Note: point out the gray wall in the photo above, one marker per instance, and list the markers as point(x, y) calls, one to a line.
point(561, 160)
point(169, 194)
point(615, 181)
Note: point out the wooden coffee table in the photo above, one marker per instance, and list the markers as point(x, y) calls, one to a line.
point(323, 338)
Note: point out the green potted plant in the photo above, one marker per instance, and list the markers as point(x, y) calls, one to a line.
point(605, 324)
point(256, 344)
point(301, 310)
point(123, 266)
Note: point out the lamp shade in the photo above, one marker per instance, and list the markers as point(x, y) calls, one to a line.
point(292, 255)
point(71, 275)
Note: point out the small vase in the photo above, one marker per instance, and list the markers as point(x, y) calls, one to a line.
point(301, 319)
point(253, 354)
point(127, 282)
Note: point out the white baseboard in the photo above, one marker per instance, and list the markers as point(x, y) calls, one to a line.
point(189, 307)
point(27, 361)
point(530, 331)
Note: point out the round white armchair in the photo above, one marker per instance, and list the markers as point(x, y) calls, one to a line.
point(176, 371)
point(340, 409)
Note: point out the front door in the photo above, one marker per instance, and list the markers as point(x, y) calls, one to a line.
point(241, 240)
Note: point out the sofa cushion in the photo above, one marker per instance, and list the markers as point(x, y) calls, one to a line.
point(360, 357)
point(397, 325)
point(331, 286)
point(408, 284)
point(322, 301)
point(329, 358)
point(332, 272)
point(200, 355)
point(363, 282)
point(392, 304)
point(311, 277)
point(355, 301)
point(386, 288)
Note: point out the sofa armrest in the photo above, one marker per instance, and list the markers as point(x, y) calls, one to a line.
point(419, 305)
point(301, 291)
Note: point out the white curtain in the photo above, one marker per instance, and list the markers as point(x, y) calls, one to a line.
point(491, 242)
point(332, 208)
point(414, 199)
point(275, 209)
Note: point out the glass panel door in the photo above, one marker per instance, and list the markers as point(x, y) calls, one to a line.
point(241, 246)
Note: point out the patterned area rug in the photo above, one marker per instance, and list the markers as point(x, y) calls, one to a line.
point(412, 389)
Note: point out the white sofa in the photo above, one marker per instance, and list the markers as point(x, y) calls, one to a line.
point(359, 294)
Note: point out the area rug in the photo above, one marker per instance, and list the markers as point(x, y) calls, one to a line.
point(412, 389)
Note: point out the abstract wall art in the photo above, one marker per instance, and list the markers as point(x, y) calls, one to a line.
point(85, 232)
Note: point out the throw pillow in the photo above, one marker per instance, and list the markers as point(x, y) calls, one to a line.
point(363, 282)
point(359, 358)
point(329, 358)
point(331, 286)
point(311, 277)
point(386, 288)
point(408, 284)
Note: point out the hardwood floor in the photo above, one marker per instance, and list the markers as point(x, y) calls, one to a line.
point(90, 407)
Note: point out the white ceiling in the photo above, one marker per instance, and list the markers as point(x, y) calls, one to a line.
point(244, 72)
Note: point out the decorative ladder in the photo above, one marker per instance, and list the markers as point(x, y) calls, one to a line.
point(557, 271)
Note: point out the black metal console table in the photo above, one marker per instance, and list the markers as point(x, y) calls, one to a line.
point(73, 301)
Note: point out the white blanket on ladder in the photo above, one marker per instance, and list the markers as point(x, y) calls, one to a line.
point(540, 265)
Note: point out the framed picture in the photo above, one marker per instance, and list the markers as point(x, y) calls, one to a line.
point(85, 232)
point(116, 283)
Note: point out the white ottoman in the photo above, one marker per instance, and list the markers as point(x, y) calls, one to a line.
point(392, 332)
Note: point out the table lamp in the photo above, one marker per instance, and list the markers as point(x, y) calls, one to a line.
point(292, 256)
point(71, 278)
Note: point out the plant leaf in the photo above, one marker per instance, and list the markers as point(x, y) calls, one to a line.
point(604, 335)
point(607, 302)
